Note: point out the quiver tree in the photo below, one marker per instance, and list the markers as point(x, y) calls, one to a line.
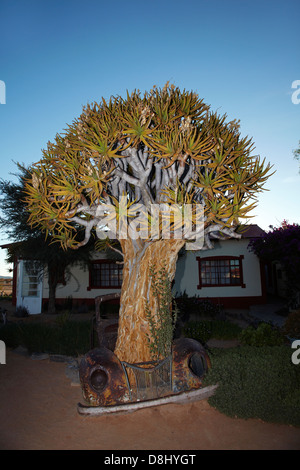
point(165, 147)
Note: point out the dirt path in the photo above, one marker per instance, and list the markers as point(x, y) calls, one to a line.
point(38, 411)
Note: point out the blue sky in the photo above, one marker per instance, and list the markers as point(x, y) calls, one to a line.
point(240, 56)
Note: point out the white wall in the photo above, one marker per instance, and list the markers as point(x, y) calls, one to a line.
point(186, 279)
point(76, 285)
point(187, 274)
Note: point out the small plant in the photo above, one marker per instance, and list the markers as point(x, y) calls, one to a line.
point(264, 335)
point(21, 312)
point(163, 324)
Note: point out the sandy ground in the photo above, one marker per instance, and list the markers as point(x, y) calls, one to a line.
point(38, 410)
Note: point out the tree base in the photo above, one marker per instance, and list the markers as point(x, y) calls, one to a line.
point(107, 381)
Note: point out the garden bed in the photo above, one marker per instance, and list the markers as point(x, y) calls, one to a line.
point(41, 414)
point(256, 380)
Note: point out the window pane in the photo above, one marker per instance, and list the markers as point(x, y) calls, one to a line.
point(30, 281)
point(220, 272)
point(106, 275)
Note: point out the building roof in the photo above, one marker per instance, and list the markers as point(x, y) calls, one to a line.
point(251, 231)
point(8, 245)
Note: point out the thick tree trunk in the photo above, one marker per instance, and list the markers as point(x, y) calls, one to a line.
point(51, 301)
point(55, 272)
point(132, 345)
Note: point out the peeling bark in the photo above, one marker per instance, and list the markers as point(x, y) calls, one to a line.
point(132, 345)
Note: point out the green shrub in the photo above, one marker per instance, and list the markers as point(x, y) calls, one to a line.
point(71, 338)
point(264, 335)
point(224, 329)
point(256, 382)
point(204, 330)
point(206, 307)
point(198, 331)
point(197, 306)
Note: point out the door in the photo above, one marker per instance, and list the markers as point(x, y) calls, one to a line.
point(29, 286)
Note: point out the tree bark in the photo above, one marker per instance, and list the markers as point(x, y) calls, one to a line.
point(51, 301)
point(55, 273)
point(132, 345)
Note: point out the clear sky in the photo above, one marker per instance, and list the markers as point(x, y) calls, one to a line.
point(240, 56)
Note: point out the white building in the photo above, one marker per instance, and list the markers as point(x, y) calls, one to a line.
point(228, 274)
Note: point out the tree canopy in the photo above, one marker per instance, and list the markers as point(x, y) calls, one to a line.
point(163, 147)
point(122, 157)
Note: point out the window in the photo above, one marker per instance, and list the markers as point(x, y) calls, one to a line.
point(220, 271)
point(30, 280)
point(105, 274)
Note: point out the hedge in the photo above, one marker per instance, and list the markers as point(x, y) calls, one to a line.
point(256, 382)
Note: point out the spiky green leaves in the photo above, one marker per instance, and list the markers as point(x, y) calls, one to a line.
point(147, 147)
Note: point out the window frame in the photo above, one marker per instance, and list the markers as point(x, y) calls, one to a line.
point(221, 258)
point(111, 263)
